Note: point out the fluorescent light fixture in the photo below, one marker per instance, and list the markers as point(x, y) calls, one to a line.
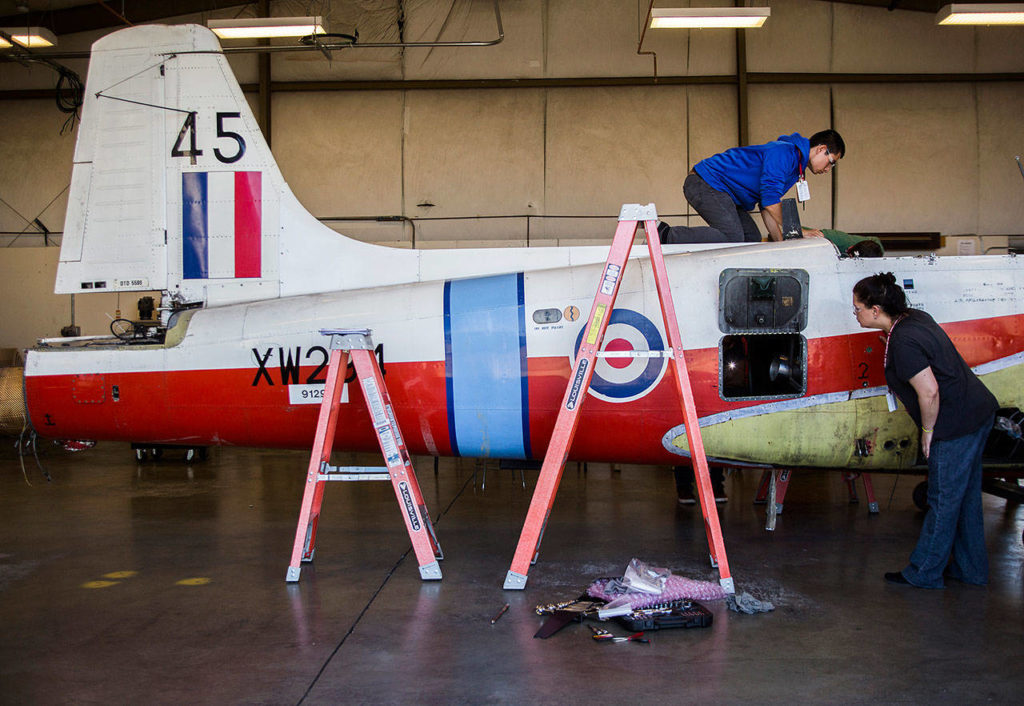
point(31, 37)
point(985, 14)
point(708, 17)
point(267, 27)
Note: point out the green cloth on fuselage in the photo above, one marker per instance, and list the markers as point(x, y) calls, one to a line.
point(844, 240)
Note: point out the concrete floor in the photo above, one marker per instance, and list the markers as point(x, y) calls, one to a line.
point(164, 583)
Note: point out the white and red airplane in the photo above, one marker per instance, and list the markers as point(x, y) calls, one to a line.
point(174, 189)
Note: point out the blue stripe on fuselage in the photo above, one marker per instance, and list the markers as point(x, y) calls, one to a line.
point(485, 367)
point(194, 225)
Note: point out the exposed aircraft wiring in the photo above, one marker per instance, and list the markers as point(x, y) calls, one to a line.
point(30, 441)
point(893, 491)
point(383, 584)
point(18, 445)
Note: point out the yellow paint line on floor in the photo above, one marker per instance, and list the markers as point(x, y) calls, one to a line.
point(99, 584)
point(197, 581)
point(120, 574)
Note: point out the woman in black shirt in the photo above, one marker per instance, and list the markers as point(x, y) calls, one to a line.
point(955, 412)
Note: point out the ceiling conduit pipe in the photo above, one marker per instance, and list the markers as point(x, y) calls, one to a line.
point(315, 44)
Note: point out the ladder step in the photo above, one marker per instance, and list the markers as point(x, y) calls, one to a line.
point(354, 473)
point(634, 354)
point(356, 346)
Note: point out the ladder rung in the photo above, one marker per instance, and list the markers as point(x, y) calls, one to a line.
point(634, 354)
point(344, 332)
point(353, 473)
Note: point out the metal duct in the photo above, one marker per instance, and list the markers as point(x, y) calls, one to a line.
point(13, 415)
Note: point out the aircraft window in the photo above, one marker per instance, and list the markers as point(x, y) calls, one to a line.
point(764, 301)
point(762, 366)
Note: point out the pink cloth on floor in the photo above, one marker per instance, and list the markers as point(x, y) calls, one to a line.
point(676, 588)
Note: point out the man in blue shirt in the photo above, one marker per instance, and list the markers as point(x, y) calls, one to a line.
point(725, 186)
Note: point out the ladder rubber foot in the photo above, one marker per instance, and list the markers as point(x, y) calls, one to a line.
point(514, 581)
point(873, 508)
point(308, 558)
point(778, 508)
point(430, 572)
point(727, 585)
point(293, 574)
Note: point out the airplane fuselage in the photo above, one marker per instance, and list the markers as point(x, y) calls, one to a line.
point(175, 189)
point(478, 366)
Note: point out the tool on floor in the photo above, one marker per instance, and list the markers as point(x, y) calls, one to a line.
point(356, 344)
point(561, 614)
point(675, 614)
point(528, 548)
point(602, 635)
point(501, 612)
point(679, 613)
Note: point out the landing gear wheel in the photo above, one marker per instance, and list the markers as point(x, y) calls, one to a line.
point(141, 455)
point(921, 495)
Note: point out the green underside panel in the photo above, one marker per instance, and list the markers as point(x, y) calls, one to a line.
point(827, 435)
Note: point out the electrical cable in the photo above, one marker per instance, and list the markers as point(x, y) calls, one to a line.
point(70, 92)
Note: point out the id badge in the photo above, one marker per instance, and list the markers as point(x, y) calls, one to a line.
point(803, 192)
point(890, 400)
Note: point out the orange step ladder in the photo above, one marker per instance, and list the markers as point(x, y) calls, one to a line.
point(356, 344)
point(579, 383)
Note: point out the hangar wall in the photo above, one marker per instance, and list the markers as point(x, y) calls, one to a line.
point(548, 163)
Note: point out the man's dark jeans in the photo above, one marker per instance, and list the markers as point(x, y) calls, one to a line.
point(727, 222)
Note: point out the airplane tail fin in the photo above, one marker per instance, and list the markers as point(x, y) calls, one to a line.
point(175, 189)
point(173, 186)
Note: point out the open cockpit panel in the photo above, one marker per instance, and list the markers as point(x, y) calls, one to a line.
point(763, 353)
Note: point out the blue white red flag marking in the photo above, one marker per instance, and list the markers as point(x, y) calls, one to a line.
point(221, 225)
point(627, 379)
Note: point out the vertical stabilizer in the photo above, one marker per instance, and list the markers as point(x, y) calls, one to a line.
point(173, 187)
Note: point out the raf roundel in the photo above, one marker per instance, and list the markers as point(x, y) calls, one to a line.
point(626, 379)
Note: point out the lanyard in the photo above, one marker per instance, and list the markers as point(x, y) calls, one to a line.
point(885, 357)
point(800, 163)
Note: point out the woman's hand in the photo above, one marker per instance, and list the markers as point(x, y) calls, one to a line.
point(926, 442)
